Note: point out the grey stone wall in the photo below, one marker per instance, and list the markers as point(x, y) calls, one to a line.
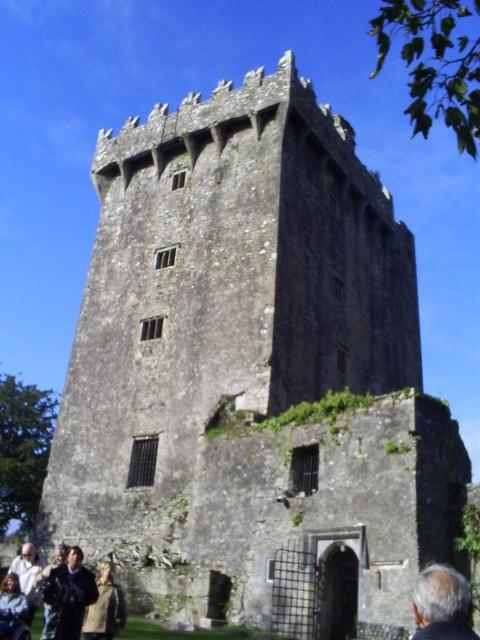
point(345, 278)
point(358, 485)
point(444, 470)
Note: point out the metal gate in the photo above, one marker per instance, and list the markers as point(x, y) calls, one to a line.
point(294, 595)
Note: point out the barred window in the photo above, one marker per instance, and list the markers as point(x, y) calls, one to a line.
point(165, 258)
point(152, 329)
point(142, 462)
point(304, 470)
point(178, 181)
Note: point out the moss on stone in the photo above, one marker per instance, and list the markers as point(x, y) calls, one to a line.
point(329, 408)
point(297, 519)
point(178, 509)
point(391, 447)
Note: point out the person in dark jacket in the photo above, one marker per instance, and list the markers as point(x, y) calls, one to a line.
point(69, 589)
point(442, 605)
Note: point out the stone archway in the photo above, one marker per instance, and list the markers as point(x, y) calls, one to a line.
point(338, 586)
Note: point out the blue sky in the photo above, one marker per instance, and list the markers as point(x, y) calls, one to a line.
point(71, 67)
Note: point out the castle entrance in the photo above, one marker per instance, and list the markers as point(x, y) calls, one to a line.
point(337, 594)
point(315, 600)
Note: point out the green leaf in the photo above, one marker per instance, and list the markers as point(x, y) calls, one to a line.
point(474, 97)
point(447, 24)
point(383, 43)
point(396, 11)
point(423, 78)
point(440, 43)
point(466, 142)
point(474, 75)
point(416, 108)
point(473, 118)
point(377, 25)
point(419, 5)
point(423, 125)
point(477, 6)
point(454, 117)
point(414, 23)
point(407, 53)
point(417, 46)
point(462, 42)
point(458, 88)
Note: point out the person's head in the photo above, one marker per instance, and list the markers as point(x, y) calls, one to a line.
point(441, 594)
point(10, 584)
point(104, 573)
point(29, 552)
point(60, 554)
point(75, 557)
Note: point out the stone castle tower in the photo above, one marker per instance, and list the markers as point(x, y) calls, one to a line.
point(245, 260)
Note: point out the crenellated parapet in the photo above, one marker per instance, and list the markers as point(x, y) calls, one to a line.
point(259, 100)
point(194, 117)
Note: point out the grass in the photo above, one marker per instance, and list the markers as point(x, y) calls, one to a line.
point(141, 629)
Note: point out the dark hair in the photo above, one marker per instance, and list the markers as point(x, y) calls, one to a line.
point(16, 588)
point(77, 551)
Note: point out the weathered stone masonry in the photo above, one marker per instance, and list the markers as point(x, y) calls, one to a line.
point(245, 260)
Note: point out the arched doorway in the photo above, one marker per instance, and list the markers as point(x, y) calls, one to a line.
point(338, 586)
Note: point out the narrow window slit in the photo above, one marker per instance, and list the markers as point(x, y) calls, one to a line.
point(178, 181)
point(152, 329)
point(166, 258)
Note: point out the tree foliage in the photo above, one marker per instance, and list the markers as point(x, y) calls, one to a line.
point(27, 422)
point(446, 63)
point(469, 540)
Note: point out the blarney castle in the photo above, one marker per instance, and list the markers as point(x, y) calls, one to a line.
point(246, 261)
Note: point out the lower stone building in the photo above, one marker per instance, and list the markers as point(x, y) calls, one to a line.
point(312, 530)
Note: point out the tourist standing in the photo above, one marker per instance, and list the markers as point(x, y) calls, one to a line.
point(59, 558)
point(107, 616)
point(69, 589)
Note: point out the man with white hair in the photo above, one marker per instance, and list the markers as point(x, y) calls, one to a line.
point(27, 566)
point(442, 605)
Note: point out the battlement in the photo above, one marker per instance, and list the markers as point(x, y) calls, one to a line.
point(283, 96)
